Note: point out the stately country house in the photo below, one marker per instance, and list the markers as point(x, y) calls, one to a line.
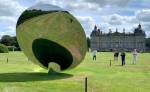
point(117, 41)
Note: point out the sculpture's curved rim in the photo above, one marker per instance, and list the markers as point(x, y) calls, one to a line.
point(37, 10)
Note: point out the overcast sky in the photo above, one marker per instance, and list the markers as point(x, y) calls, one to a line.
point(103, 13)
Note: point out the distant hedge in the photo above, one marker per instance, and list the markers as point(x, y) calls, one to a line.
point(3, 48)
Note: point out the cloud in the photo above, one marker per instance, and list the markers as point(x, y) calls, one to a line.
point(130, 19)
point(10, 30)
point(113, 19)
point(116, 19)
point(46, 1)
point(90, 5)
point(72, 5)
point(104, 26)
point(87, 22)
point(8, 20)
point(143, 15)
point(105, 13)
point(8, 25)
point(83, 6)
point(146, 26)
point(9, 13)
point(10, 8)
point(86, 5)
point(102, 3)
point(60, 3)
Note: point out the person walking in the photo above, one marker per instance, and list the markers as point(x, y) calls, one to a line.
point(94, 55)
point(123, 57)
point(134, 54)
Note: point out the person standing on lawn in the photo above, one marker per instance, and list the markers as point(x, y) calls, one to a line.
point(116, 54)
point(123, 57)
point(134, 54)
point(94, 54)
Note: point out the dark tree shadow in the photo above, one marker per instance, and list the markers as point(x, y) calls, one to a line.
point(26, 77)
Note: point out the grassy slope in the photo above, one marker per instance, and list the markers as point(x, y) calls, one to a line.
point(20, 75)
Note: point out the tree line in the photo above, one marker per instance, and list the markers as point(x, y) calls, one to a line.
point(148, 42)
point(10, 42)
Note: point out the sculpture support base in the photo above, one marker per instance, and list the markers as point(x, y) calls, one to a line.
point(53, 68)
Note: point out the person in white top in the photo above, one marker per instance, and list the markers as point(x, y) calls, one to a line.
point(94, 54)
point(134, 53)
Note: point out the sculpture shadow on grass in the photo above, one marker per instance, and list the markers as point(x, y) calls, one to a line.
point(27, 77)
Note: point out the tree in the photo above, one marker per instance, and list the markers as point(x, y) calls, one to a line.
point(3, 48)
point(147, 42)
point(11, 42)
point(15, 43)
point(7, 40)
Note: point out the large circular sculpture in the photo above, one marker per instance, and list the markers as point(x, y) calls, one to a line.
point(48, 34)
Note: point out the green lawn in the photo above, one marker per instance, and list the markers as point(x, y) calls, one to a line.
point(20, 75)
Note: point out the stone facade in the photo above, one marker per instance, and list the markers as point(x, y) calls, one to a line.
point(117, 41)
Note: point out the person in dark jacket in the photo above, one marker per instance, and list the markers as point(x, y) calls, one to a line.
point(116, 54)
point(123, 57)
